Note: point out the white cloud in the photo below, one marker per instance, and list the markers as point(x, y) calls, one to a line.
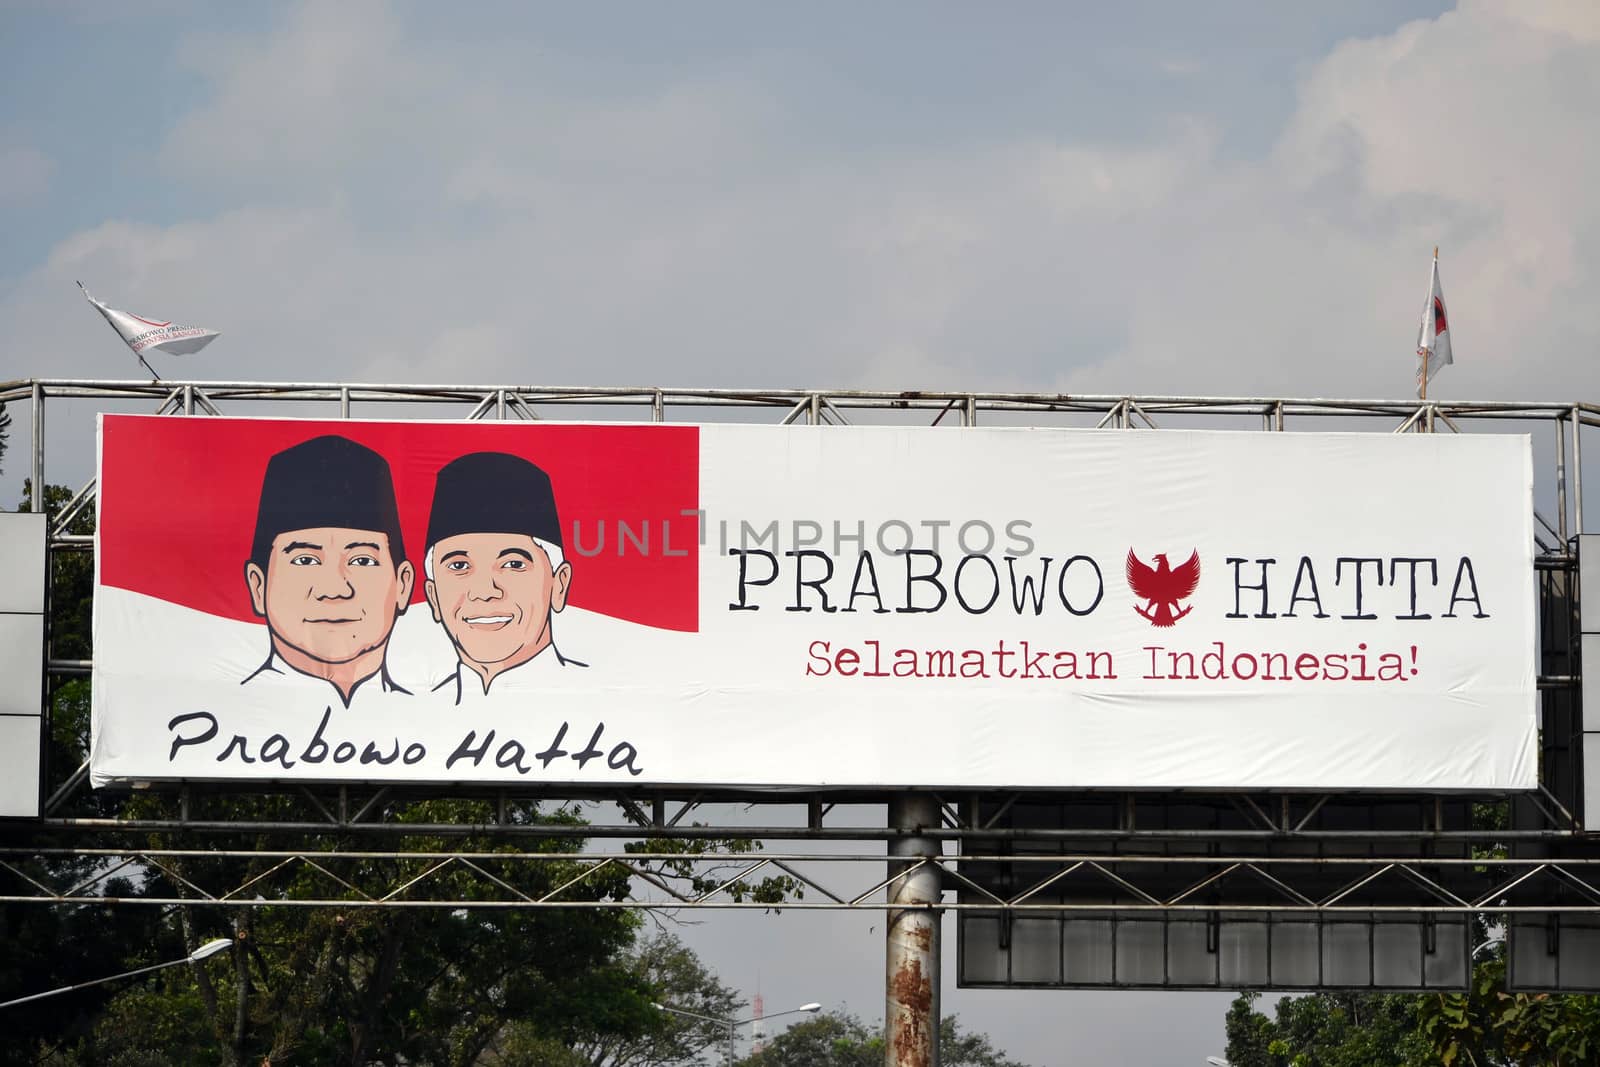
point(1471, 129)
point(335, 86)
point(1577, 19)
point(408, 210)
point(25, 174)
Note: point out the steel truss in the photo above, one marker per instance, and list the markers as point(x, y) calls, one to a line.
point(1251, 852)
point(1308, 885)
point(975, 819)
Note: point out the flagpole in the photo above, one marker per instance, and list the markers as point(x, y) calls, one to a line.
point(137, 354)
point(1424, 354)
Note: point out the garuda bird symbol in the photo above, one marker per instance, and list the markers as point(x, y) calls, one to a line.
point(1162, 586)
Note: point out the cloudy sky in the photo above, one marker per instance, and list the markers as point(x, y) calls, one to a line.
point(1225, 198)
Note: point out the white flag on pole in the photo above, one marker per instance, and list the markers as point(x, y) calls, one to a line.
point(1433, 336)
point(153, 335)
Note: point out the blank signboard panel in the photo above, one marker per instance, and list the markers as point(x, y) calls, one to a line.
point(1239, 951)
point(22, 561)
point(1589, 623)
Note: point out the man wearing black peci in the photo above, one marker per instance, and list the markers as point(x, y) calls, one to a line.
point(496, 571)
point(328, 569)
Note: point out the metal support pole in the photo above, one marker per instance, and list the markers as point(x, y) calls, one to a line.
point(1561, 483)
point(188, 400)
point(911, 974)
point(1577, 473)
point(38, 450)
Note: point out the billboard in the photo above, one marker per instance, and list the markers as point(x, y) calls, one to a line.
point(811, 606)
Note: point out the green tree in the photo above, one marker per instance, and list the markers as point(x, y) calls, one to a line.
point(828, 1040)
point(436, 985)
point(1327, 1030)
point(162, 1025)
point(312, 978)
point(1482, 1027)
point(958, 1049)
point(1250, 1033)
point(48, 948)
point(842, 1040)
point(1487, 1025)
point(662, 967)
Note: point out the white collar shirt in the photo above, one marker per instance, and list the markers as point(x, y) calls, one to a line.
point(466, 687)
point(280, 677)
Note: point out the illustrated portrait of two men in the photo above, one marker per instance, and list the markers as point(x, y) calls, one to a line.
point(330, 573)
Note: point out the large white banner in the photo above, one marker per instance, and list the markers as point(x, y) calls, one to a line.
point(812, 606)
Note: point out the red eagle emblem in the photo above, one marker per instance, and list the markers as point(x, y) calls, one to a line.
point(1162, 586)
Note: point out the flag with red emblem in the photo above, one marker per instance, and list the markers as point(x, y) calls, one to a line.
point(1433, 335)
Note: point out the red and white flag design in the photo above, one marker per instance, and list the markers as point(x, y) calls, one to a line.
point(1433, 335)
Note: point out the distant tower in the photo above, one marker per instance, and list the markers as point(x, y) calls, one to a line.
point(758, 1029)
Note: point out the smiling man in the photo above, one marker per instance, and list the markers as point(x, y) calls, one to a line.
point(328, 568)
point(496, 573)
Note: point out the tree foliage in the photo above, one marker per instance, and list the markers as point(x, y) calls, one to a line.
point(1487, 1025)
point(842, 1040)
point(449, 986)
point(426, 984)
point(828, 1040)
point(1327, 1030)
point(1482, 1027)
point(671, 974)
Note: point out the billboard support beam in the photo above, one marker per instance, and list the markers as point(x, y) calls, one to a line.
point(1561, 482)
point(1577, 473)
point(38, 449)
point(911, 973)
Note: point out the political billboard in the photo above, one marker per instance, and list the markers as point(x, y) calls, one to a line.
point(811, 606)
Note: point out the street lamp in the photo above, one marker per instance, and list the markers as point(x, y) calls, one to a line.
point(210, 948)
point(734, 1024)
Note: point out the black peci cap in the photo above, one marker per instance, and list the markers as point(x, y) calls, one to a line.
point(492, 492)
point(327, 481)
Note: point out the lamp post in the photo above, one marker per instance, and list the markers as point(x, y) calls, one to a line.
point(734, 1024)
point(210, 948)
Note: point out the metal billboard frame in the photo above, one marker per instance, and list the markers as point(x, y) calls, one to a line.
point(1429, 864)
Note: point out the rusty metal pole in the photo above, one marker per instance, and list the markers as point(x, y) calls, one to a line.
point(911, 1006)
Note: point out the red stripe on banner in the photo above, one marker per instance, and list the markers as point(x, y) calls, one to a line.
point(178, 499)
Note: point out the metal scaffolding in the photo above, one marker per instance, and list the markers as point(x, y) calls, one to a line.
point(1055, 884)
point(1249, 852)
